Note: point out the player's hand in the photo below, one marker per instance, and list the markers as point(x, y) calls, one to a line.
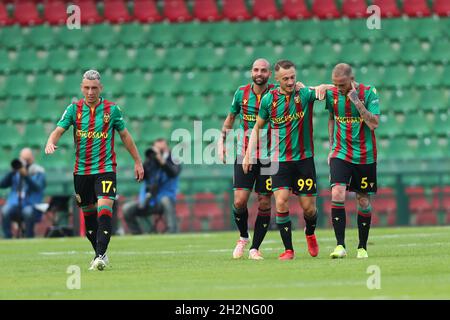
point(50, 148)
point(246, 165)
point(352, 94)
point(138, 171)
point(299, 85)
point(329, 157)
point(321, 91)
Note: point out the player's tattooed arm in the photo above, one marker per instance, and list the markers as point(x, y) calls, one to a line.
point(369, 118)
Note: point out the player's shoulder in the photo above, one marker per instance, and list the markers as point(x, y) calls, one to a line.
point(244, 87)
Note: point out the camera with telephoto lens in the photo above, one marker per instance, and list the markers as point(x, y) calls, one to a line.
point(17, 164)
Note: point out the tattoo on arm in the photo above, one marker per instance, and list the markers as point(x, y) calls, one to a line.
point(369, 118)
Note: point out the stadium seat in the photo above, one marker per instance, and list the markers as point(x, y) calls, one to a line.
point(192, 33)
point(446, 76)
point(103, 35)
point(12, 37)
point(383, 54)
point(427, 77)
point(237, 57)
point(295, 9)
point(115, 11)
point(397, 29)
point(55, 12)
point(165, 107)
point(396, 150)
point(415, 126)
point(441, 8)
point(46, 85)
point(311, 31)
point(250, 32)
point(405, 101)
point(178, 58)
point(162, 34)
point(28, 61)
point(75, 38)
point(353, 54)
point(71, 85)
point(266, 10)
point(354, 9)
point(279, 31)
point(205, 206)
point(430, 150)
point(388, 127)
point(6, 63)
point(137, 84)
point(112, 85)
point(195, 107)
point(388, 8)
point(235, 10)
point(416, 8)
point(222, 33)
point(18, 110)
point(26, 13)
point(36, 135)
point(324, 54)
point(148, 59)
point(207, 58)
point(268, 52)
point(441, 127)
point(59, 60)
point(176, 11)
point(12, 137)
point(325, 9)
point(360, 32)
point(133, 34)
point(194, 83)
point(89, 58)
point(120, 60)
point(412, 52)
point(206, 10)
point(397, 76)
point(136, 107)
point(427, 29)
point(146, 11)
point(89, 11)
point(163, 83)
point(5, 19)
point(48, 109)
point(341, 30)
point(17, 85)
point(439, 49)
point(41, 37)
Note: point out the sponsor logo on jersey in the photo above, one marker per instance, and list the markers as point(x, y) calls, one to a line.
point(91, 134)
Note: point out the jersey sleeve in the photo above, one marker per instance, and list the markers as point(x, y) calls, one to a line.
point(264, 108)
point(373, 101)
point(309, 94)
point(67, 118)
point(118, 122)
point(236, 104)
point(329, 102)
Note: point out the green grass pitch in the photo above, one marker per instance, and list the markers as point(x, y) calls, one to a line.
point(413, 264)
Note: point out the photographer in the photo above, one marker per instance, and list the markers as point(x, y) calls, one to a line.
point(159, 190)
point(27, 183)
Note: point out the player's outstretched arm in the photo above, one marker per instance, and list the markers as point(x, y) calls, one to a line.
point(253, 142)
point(369, 118)
point(227, 125)
point(321, 90)
point(53, 139)
point(132, 149)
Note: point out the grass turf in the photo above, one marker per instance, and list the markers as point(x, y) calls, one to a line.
point(414, 264)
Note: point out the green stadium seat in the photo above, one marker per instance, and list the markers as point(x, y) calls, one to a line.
point(6, 156)
point(136, 83)
point(148, 59)
point(320, 127)
point(17, 85)
point(397, 76)
point(71, 86)
point(46, 85)
point(430, 150)
point(152, 130)
point(120, 60)
point(382, 53)
point(163, 83)
point(250, 33)
point(49, 109)
point(237, 57)
point(415, 126)
point(222, 33)
point(388, 127)
point(133, 34)
point(166, 107)
point(103, 35)
point(446, 77)
point(72, 38)
point(195, 107)
point(112, 85)
point(6, 64)
point(441, 125)
point(19, 110)
point(370, 75)
point(426, 77)
point(268, 52)
point(89, 58)
point(137, 108)
point(353, 54)
point(162, 35)
point(296, 52)
point(36, 135)
point(11, 137)
point(360, 32)
point(220, 104)
point(404, 101)
point(399, 149)
point(279, 32)
point(59, 60)
point(229, 83)
point(307, 31)
point(314, 76)
point(12, 37)
point(439, 50)
point(194, 83)
point(412, 52)
point(434, 100)
point(324, 54)
point(41, 37)
point(179, 58)
point(191, 34)
point(62, 159)
point(336, 30)
point(426, 29)
point(207, 58)
point(28, 61)
point(398, 29)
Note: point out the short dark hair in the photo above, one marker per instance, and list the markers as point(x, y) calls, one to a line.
point(285, 64)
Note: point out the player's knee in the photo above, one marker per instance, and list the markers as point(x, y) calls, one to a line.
point(240, 203)
point(264, 202)
point(310, 210)
point(363, 203)
point(338, 194)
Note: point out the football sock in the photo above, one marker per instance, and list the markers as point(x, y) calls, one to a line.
point(91, 225)
point(104, 229)
point(241, 219)
point(339, 221)
point(364, 219)
point(310, 224)
point(284, 225)
point(261, 226)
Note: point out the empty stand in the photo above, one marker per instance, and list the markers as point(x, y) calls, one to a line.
point(55, 12)
point(389, 8)
point(176, 11)
point(266, 10)
point(25, 13)
point(115, 11)
point(146, 11)
point(206, 10)
point(89, 11)
point(354, 8)
point(441, 8)
point(325, 9)
point(295, 9)
point(235, 10)
point(416, 8)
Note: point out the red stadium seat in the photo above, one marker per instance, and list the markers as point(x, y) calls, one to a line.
point(266, 10)
point(89, 13)
point(182, 206)
point(25, 13)
point(206, 10)
point(325, 9)
point(115, 11)
point(176, 11)
point(388, 8)
point(205, 206)
point(145, 11)
point(55, 12)
point(5, 20)
point(441, 199)
point(354, 8)
point(295, 9)
point(384, 204)
point(235, 10)
point(441, 8)
point(416, 8)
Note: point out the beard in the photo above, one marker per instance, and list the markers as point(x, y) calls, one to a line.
point(260, 80)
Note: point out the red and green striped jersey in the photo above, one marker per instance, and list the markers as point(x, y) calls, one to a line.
point(246, 103)
point(291, 128)
point(93, 135)
point(353, 140)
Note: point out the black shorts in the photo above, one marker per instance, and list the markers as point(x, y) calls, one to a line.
point(361, 178)
point(89, 188)
point(242, 181)
point(298, 176)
